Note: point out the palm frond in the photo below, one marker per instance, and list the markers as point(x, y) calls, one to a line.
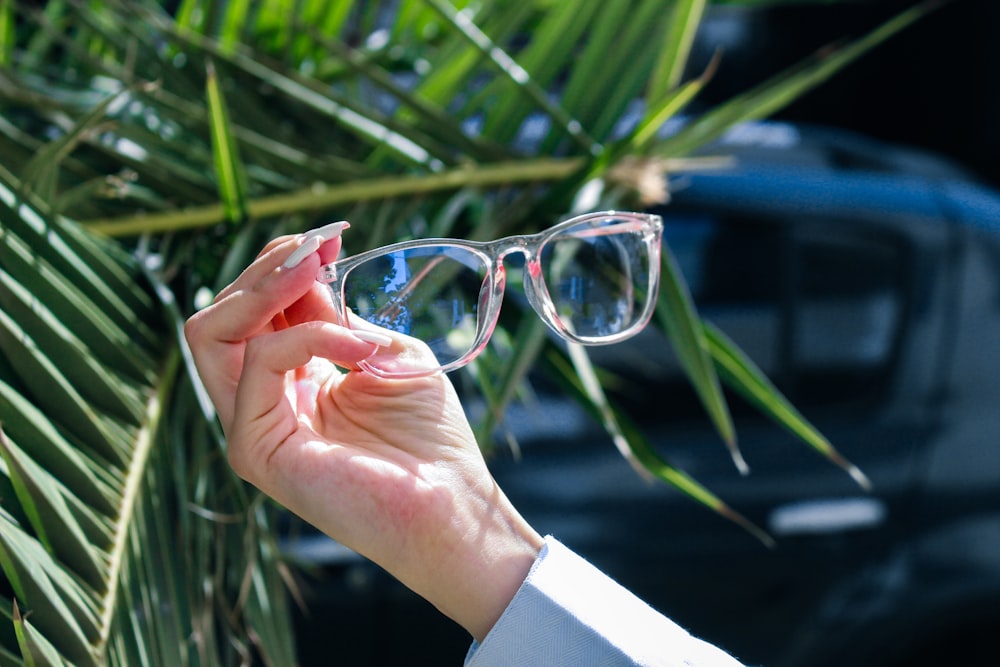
point(93, 489)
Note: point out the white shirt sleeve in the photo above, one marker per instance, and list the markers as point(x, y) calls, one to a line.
point(569, 613)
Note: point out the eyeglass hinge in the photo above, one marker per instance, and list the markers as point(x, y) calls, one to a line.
point(327, 273)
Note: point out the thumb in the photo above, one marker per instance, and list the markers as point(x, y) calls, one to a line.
point(268, 409)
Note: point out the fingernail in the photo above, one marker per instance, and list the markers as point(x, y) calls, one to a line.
point(308, 247)
point(312, 240)
point(330, 231)
point(380, 339)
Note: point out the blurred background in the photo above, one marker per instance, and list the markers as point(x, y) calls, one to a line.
point(851, 253)
point(932, 86)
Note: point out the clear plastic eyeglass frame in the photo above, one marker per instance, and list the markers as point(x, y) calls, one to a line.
point(632, 240)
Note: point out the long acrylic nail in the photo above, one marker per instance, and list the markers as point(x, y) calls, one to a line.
point(308, 247)
point(380, 339)
point(312, 240)
point(330, 231)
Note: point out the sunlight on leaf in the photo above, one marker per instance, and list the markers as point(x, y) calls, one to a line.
point(670, 104)
point(595, 394)
point(318, 198)
point(741, 374)
point(637, 450)
point(225, 152)
point(685, 17)
point(6, 32)
point(40, 175)
point(676, 315)
point(517, 74)
point(21, 632)
point(91, 478)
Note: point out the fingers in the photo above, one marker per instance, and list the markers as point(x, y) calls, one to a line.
point(266, 288)
point(250, 310)
point(289, 252)
point(254, 304)
point(307, 300)
point(271, 401)
point(217, 335)
point(312, 241)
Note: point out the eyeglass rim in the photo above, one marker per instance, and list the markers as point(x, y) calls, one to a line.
point(331, 274)
point(346, 263)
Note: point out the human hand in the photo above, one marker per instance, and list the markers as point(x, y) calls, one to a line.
point(389, 468)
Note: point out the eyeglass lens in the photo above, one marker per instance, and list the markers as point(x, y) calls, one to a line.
point(595, 282)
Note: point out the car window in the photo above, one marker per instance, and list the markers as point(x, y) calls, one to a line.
point(817, 304)
point(849, 307)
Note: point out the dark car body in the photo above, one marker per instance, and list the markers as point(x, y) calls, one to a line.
point(864, 279)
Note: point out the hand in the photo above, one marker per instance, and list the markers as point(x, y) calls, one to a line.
point(389, 468)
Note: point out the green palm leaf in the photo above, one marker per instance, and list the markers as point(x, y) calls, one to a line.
point(228, 165)
point(677, 316)
point(785, 87)
point(740, 373)
point(687, 16)
point(91, 475)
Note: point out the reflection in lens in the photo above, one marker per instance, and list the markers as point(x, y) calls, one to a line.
point(430, 293)
point(597, 275)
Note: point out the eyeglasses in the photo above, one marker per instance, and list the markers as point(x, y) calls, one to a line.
point(592, 279)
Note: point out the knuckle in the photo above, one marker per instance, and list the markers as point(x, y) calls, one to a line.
point(255, 350)
point(274, 243)
point(237, 461)
point(193, 328)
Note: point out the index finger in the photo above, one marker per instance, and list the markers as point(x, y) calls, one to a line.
point(279, 250)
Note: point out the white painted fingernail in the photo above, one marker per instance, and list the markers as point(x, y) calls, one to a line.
point(308, 247)
point(313, 239)
point(330, 231)
point(381, 339)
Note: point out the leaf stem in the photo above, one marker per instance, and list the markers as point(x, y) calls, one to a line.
point(144, 442)
point(327, 195)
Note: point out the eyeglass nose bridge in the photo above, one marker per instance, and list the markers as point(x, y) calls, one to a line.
point(533, 279)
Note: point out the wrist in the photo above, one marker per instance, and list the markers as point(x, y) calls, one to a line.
point(486, 568)
point(498, 578)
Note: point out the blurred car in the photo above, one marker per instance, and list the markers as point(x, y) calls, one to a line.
point(864, 279)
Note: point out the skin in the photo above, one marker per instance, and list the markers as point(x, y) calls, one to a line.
point(389, 468)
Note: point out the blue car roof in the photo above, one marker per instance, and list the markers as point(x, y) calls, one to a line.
point(827, 192)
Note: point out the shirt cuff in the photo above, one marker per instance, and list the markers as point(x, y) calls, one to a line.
point(567, 612)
